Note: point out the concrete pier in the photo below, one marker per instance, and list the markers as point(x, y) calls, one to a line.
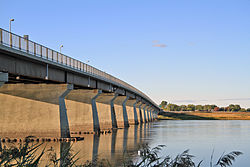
point(131, 111)
point(3, 78)
point(82, 110)
point(105, 111)
point(145, 113)
point(33, 110)
point(121, 111)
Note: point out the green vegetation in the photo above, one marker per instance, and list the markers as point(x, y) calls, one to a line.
point(206, 108)
point(26, 155)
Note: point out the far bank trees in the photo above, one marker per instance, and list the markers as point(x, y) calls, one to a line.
point(207, 108)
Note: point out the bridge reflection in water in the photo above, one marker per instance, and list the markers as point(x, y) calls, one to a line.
point(111, 147)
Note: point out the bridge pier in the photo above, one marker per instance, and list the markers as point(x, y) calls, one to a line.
point(145, 113)
point(113, 115)
point(140, 112)
point(151, 116)
point(82, 110)
point(33, 110)
point(136, 122)
point(107, 118)
point(3, 78)
point(154, 114)
point(121, 111)
point(131, 110)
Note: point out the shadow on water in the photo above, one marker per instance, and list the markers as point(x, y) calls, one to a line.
point(183, 116)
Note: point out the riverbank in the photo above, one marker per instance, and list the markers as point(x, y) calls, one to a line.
point(204, 116)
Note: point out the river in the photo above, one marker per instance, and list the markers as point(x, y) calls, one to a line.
point(201, 137)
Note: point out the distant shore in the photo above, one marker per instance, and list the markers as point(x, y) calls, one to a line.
point(204, 116)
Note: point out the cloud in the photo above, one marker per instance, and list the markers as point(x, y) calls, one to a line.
point(155, 41)
point(235, 99)
point(160, 45)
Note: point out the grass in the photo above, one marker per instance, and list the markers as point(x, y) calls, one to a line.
point(204, 116)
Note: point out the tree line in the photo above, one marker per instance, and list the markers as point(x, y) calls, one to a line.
point(191, 107)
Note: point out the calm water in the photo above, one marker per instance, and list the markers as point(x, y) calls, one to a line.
point(201, 137)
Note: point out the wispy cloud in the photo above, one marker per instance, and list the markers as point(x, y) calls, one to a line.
point(235, 99)
point(160, 45)
point(155, 41)
point(156, 44)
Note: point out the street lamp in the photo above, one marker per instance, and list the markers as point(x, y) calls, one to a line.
point(61, 48)
point(10, 23)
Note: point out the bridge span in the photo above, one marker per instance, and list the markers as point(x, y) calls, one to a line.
point(45, 93)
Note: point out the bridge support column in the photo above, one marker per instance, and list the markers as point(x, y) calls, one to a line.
point(34, 110)
point(64, 122)
point(121, 111)
point(125, 114)
point(82, 110)
point(140, 112)
point(155, 115)
point(131, 110)
point(107, 119)
point(135, 112)
point(3, 78)
point(113, 115)
point(151, 115)
point(144, 111)
point(148, 114)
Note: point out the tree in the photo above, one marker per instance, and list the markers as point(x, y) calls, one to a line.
point(216, 108)
point(207, 108)
point(199, 108)
point(163, 104)
point(243, 110)
point(234, 108)
point(183, 108)
point(191, 107)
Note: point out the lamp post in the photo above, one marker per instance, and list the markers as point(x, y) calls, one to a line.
point(61, 49)
point(10, 24)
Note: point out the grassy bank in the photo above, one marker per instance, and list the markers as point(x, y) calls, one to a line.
point(204, 116)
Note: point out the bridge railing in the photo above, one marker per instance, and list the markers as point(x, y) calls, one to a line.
point(20, 43)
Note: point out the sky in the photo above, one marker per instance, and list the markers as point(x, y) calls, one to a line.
point(180, 51)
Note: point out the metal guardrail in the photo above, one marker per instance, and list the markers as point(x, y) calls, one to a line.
point(19, 43)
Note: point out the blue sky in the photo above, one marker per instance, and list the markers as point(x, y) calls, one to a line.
point(182, 51)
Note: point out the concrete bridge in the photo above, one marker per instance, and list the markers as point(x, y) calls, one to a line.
point(45, 93)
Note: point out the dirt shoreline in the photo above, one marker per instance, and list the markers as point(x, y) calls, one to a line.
point(204, 116)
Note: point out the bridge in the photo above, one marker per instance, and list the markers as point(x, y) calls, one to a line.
point(45, 93)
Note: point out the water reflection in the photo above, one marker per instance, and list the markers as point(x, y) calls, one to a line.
point(111, 146)
point(201, 137)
